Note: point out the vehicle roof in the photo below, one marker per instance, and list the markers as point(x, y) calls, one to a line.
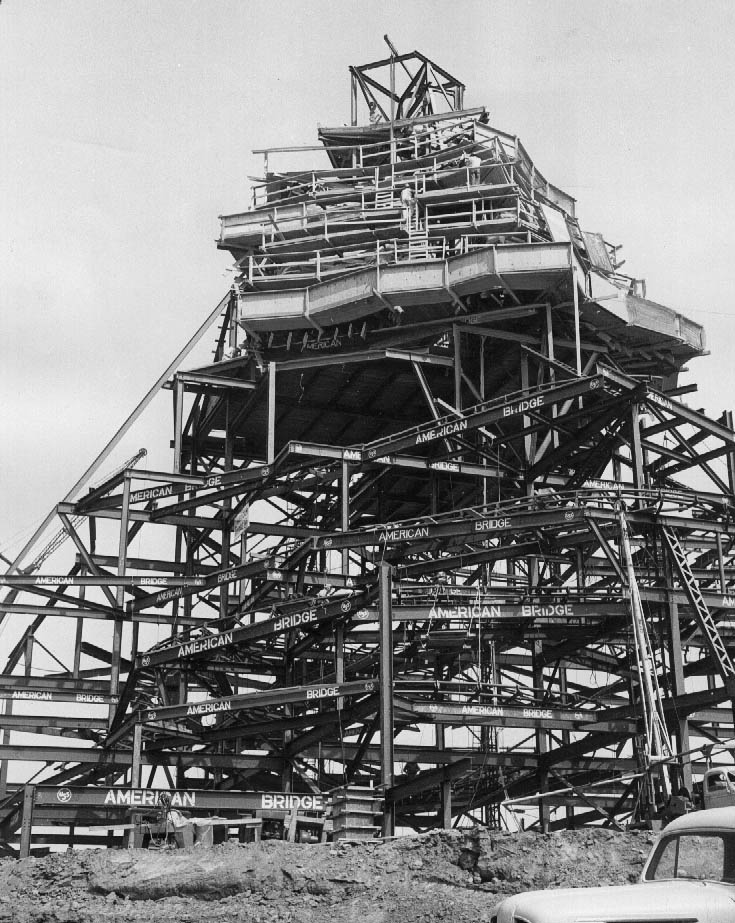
point(713, 819)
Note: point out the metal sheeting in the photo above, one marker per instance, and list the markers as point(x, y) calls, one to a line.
point(597, 251)
point(557, 223)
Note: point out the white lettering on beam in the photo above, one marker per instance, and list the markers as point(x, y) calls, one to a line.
point(473, 611)
point(487, 525)
point(532, 403)
point(276, 802)
point(403, 535)
point(151, 493)
point(208, 708)
point(448, 429)
point(187, 648)
point(148, 798)
point(295, 620)
point(535, 611)
point(322, 692)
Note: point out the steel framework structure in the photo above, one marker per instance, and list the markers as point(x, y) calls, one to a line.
point(437, 519)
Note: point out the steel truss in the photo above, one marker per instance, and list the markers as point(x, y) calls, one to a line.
point(389, 549)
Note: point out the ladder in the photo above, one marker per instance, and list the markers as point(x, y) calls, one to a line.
point(418, 242)
point(384, 198)
point(658, 744)
point(707, 624)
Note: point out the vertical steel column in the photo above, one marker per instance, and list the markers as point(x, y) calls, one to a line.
point(134, 837)
point(526, 419)
point(79, 634)
point(636, 449)
point(26, 829)
point(5, 741)
point(386, 693)
point(353, 100)
point(122, 558)
point(226, 510)
point(577, 338)
point(339, 631)
point(730, 456)
point(135, 769)
point(552, 371)
point(678, 685)
point(393, 157)
point(457, 340)
point(28, 655)
point(178, 422)
point(721, 563)
point(446, 804)
point(565, 735)
point(542, 745)
point(271, 436)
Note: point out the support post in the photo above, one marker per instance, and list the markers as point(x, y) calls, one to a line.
point(542, 744)
point(136, 766)
point(577, 337)
point(339, 631)
point(5, 741)
point(26, 829)
point(446, 804)
point(730, 456)
point(456, 336)
point(636, 449)
point(178, 422)
point(271, 437)
point(122, 557)
point(226, 510)
point(678, 686)
point(386, 694)
point(552, 371)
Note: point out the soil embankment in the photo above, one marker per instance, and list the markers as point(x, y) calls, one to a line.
point(453, 876)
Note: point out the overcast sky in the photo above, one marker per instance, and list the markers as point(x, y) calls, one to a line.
point(127, 129)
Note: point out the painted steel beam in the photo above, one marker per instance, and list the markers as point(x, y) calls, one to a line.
point(133, 799)
point(123, 759)
point(234, 703)
point(101, 580)
point(699, 420)
point(301, 618)
point(503, 715)
point(477, 525)
point(493, 411)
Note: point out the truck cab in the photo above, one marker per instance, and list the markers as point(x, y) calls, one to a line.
point(688, 876)
point(718, 788)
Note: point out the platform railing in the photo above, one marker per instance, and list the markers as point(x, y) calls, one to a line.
point(318, 265)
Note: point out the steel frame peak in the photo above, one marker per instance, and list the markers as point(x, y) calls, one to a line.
point(388, 552)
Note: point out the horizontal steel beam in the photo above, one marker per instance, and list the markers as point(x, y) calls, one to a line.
point(234, 703)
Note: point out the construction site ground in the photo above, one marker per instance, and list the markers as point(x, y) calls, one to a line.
point(441, 876)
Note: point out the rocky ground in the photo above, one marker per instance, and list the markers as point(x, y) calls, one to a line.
point(453, 876)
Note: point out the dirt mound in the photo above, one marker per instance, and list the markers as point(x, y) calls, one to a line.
point(442, 876)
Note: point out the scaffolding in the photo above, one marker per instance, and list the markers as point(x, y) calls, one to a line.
point(437, 463)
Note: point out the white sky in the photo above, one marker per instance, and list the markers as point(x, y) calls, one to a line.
point(127, 129)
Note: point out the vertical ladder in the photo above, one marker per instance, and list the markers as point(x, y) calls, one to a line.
point(658, 744)
point(712, 637)
point(384, 198)
point(418, 242)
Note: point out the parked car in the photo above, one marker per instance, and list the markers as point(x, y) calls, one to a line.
point(689, 877)
point(718, 788)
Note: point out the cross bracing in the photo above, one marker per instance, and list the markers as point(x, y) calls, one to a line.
point(388, 549)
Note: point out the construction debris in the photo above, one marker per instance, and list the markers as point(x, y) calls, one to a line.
point(445, 876)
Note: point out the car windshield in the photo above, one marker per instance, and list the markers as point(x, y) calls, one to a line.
point(702, 856)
